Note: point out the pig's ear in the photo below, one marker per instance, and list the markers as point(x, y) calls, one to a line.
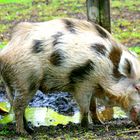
point(127, 68)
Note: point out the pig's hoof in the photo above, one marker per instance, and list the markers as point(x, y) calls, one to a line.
point(84, 122)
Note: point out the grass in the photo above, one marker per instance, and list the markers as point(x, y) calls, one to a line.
point(130, 5)
point(15, 1)
point(136, 49)
point(14, 11)
point(125, 22)
point(126, 29)
point(5, 131)
point(125, 16)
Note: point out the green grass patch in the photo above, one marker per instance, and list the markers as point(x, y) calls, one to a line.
point(131, 5)
point(135, 49)
point(127, 35)
point(126, 30)
point(15, 1)
point(2, 44)
point(5, 131)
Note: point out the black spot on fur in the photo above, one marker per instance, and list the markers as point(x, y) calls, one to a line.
point(99, 48)
point(37, 47)
point(101, 32)
point(56, 38)
point(115, 56)
point(69, 25)
point(79, 73)
point(57, 58)
point(55, 42)
point(57, 35)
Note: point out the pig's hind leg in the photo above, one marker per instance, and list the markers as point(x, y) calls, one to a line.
point(20, 102)
point(93, 111)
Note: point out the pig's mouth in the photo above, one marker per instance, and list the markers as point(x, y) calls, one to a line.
point(135, 114)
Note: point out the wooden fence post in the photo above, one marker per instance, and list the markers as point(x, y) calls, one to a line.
point(93, 10)
point(98, 11)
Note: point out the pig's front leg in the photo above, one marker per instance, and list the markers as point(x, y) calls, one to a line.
point(83, 97)
point(10, 97)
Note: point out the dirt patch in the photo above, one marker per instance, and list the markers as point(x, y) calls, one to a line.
point(115, 129)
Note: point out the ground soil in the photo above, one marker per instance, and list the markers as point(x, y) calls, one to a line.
point(119, 129)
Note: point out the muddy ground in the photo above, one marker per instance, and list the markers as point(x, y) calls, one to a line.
point(112, 130)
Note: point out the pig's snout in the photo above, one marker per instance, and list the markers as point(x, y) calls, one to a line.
point(135, 114)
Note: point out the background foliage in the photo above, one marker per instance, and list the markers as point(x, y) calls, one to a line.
point(125, 16)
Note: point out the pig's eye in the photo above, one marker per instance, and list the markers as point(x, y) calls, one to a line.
point(137, 87)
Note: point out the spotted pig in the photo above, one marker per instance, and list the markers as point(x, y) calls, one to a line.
point(70, 55)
